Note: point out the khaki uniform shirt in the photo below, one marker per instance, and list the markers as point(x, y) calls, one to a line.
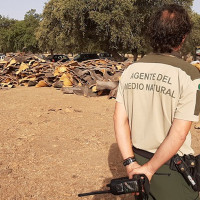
point(155, 91)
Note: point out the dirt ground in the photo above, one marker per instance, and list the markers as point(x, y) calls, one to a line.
point(54, 146)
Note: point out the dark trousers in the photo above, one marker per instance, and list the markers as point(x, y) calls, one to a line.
point(168, 184)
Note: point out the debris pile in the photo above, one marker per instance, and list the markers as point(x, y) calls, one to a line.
point(197, 65)
point(88, 78)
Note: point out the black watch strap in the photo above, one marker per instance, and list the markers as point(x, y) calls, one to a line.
point(129, 161)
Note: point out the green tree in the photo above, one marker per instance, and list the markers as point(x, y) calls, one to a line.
point(15, 36)
point(50, 28)
point(31, 23)
point(5, 26)
point(193, 39)
point(114, 26)
point(19, 35)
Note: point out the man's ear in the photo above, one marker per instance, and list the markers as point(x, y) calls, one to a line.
point(183, 40)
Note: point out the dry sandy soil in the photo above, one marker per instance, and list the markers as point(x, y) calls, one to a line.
point(54, 146)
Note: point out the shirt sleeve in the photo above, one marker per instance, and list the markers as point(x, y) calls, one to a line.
point(120, 91)
point(188, 105)
point(197, 106)
point(120, 95)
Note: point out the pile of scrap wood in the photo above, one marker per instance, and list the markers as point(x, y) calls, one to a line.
point(196, 64)
point(88, 78)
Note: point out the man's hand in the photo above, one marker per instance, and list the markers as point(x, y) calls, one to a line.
point(135, 168)
point(131, 167)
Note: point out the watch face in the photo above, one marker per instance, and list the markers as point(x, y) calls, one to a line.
point(125, 162)
point(129, 161)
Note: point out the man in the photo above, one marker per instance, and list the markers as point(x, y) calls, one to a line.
point(156, 104)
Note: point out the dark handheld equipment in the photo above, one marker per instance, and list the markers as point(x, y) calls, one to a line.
point(139, 184)
point(184, 169)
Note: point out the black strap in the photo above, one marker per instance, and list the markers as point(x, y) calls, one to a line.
point(146, 154)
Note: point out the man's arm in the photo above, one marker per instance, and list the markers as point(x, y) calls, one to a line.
point(165, 152)
point(167, 149)
point(123, 135)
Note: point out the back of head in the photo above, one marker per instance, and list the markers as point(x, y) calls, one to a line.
point(168, 27)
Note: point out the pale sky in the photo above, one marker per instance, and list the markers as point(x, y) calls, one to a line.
point(16, 9)
point(196, 6)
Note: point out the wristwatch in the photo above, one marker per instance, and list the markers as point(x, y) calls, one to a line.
point(129, 161)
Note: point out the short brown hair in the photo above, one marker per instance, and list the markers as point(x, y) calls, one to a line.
point(167, 28)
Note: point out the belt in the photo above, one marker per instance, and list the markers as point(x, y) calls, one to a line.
point(146, 154)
